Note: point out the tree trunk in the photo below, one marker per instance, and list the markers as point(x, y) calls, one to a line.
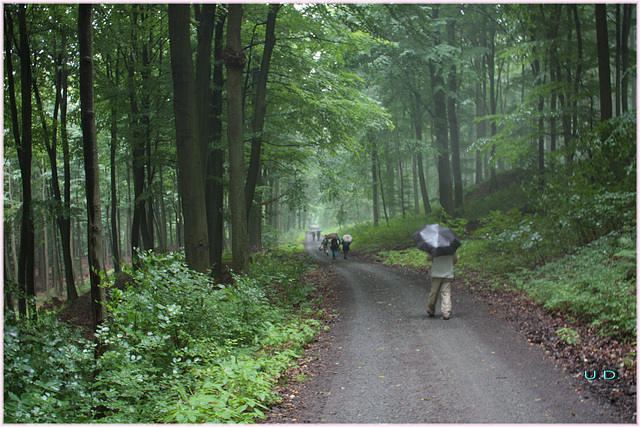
point(490, 57)
point(454, 131)
point(390, 182)
point(384, 203)
point(190, 164)
point(138, 160)
point(115, 233)
point(481, 130)
point(235, 61)
point(374, 177)
point(604, 68)
point(210, 127)
point(65, 218)
point(215, 159)
point(91, 167)
point(617, 60)
point(578, 79)
point(26, 259)
point(627, 14)
point(260, 107)
point(440, 131)
point(417, 124)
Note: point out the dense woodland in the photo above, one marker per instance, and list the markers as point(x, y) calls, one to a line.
point(218, 128)
point(142, 139)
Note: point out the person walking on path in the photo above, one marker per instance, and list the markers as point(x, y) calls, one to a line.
point(345, 247)
point(441, 279)
point(335, 246)
point(325, 245)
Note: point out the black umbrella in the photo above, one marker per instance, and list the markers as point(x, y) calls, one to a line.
point(436, 239)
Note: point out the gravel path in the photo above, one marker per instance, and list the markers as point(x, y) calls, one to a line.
point(388, 362)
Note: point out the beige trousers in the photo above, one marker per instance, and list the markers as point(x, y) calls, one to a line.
point(440, 286)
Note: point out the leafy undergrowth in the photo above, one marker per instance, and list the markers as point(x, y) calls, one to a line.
point(180, 348)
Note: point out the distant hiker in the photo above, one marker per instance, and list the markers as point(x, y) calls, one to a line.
point(335, 245)
point(441, 279)
point(325, 245)
point(345, 247)
point(318, 234)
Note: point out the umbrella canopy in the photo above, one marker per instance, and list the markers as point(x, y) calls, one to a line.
point(332, 235)
point(347, 238)
point(436, 239)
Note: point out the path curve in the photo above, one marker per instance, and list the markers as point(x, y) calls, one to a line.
point(388, 362)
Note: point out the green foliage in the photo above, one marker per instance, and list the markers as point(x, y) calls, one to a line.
point(510, 240)
point(47, 373)
point(479, 201)
point(414, 258)
point(568, 335)
point(203, 352)
point(607, 155)
point(571, 247)
point(597, 284)
point(397, 232)
point(282, 270)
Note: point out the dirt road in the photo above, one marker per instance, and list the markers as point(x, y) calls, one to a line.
point(388, 362)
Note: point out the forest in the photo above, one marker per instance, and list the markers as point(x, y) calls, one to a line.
point(179, 146)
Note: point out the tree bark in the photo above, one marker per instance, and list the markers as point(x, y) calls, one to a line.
point(215, 160)
point(260, 108)
point(26, 258)
point(440, 131)
point(490, 57)
point(115, 233)
point(604, 67)
point(235, 61)
point(454, 131)
point(91, 167)
point(578, 79)
point(190, 164)
point(627, 14)
point(417, 124)
point(65, 218)
point(374, 176)
point(139, 226)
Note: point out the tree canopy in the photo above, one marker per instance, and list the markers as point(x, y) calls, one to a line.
point(212, 118)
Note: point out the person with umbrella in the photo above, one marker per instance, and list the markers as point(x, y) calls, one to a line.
point(441, 244)
point(346, 242)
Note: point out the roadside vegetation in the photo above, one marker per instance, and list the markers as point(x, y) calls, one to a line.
point(567, 238)
point(179, 348)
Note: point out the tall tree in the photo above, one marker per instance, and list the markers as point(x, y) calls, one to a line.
point(419, 155)
point(440, 128)
point(259, 112)
point(604, 67)
point(190, 163)
point(627, 16)
point(113, 73)
point(215, 160)
point(235, 61)
point(26, 260)
point(91, 166)
point(454, 129)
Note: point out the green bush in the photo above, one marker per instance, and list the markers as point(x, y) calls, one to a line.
point(597, 284)
point(414, 258)
point(397, 233)
point(179, 348)
point(47, 373)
